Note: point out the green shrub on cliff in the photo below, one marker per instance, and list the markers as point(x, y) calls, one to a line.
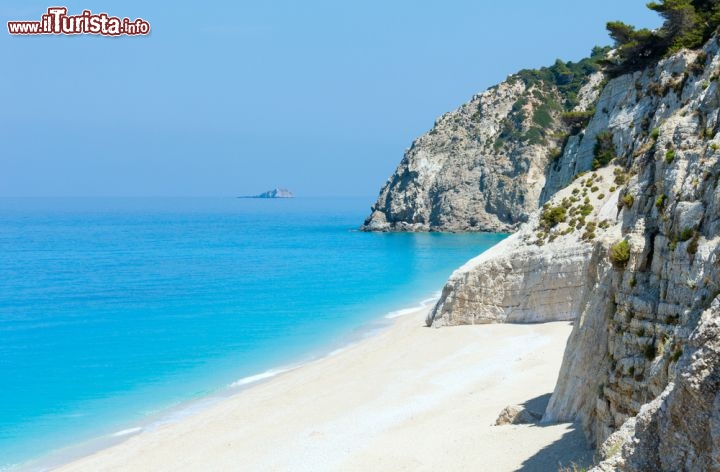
point(650, 351)
point(660, 202)
point(669, 156)
point(604, 150)
point(676, 355)
point(620, 176)
point(620, 254)
point(627, 201)
point(686, 234)
point(555, 154)
point(552, 216)
point(576, 120)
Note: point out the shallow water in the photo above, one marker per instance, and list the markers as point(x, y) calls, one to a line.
point(114, 310)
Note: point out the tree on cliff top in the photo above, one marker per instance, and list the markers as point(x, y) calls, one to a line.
point(687, 24)
point(568, 77)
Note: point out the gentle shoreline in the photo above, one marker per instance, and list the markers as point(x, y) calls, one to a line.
point(408, 397)
point(65, 455)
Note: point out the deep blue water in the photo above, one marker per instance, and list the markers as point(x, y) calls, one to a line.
point(112, 310)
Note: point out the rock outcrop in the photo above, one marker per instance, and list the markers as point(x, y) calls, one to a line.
point(641, 366)
point(483, 166)
point(537, 274)
point(517, 414)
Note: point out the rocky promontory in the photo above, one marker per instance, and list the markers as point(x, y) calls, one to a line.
point(483, 167)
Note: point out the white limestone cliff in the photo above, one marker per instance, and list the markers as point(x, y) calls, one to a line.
point(527, 278)
point(639, 322)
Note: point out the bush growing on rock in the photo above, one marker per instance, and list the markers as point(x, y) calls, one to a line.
point(686, 234)
point(552, 216)
point(604, 150)
point(698, 65)
point(586, 209)
point(670, 156)
point(620, 254)
point(576, 120)
point(555, 154)
point(588, 235)
point(620, 177)
point(660, 202)
point(650, 351)
point(676, 355)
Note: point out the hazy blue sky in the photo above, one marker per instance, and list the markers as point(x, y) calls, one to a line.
point(235, 97)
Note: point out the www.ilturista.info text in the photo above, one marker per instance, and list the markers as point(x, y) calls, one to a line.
point(57, 21)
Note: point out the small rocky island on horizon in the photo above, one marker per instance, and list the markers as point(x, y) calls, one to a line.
point(275, 193)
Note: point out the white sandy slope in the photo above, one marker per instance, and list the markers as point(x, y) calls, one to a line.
point(410, 398)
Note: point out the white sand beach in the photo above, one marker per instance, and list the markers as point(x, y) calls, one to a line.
point(409, 398)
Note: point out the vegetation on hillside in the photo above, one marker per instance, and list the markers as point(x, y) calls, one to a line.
point(687, 24)
point(568, 77)
point(552, 94)
point(547, 112)
point(552, 216)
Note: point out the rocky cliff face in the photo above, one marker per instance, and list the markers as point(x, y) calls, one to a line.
point(679, 429)
point(664, 124)
point(640, 287)
point(482, 167)
point(540, 273)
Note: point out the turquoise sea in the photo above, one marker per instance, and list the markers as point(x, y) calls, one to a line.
point(115, 314)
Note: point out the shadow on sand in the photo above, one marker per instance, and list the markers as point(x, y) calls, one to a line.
point(538, 404)
point(570, 449)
